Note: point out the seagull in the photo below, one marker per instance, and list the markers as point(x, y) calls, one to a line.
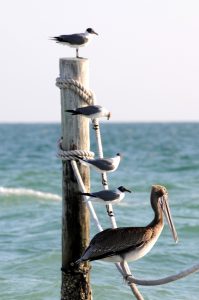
point(132, 243)
point(76, 40)
point(107, 196)
point(91, 111)
point(102, 165)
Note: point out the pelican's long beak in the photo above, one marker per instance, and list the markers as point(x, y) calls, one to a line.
point(167, 213)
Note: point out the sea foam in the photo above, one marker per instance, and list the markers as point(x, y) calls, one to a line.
point(28, 192)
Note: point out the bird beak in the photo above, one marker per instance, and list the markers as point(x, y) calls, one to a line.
point(94, 32)
point(166, 210)
point(108, 116)
point(127, 191)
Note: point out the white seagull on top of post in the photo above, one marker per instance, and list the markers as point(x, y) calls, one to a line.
point(75, 40)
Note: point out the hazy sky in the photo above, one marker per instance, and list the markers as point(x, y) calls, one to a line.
point(144, 65)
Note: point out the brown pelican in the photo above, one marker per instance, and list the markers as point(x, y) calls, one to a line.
point(131, 243)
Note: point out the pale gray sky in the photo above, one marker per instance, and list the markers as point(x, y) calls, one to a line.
point(144, 65)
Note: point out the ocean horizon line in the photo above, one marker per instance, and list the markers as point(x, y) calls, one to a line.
point(102, 122)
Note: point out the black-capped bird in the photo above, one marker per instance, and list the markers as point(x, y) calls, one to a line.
point(107, 196)
point(75, 40)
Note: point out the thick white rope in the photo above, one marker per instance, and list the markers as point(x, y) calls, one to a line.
point(104, 175)
point(182, 274)
point(74, 85)
point(72, 154)
point(83, 190)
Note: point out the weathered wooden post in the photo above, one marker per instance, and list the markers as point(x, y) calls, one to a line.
point(75, 215)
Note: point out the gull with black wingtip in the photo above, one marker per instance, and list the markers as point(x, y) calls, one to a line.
point(75, 40)
point(107, 196)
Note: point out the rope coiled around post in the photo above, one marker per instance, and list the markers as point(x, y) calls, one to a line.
point(74, 85)
point(73, 154)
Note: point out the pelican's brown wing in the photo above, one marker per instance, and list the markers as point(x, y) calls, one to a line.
point(116, 241)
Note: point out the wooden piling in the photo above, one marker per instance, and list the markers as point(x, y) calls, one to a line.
point(75, 215)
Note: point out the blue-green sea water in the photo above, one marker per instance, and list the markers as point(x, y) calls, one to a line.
point(30, 208)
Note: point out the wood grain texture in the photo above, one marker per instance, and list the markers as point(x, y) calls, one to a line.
point(75, 215)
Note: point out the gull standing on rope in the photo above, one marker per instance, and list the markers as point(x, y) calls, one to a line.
point(131, 243)
point(102, 165)
point(91, 111)
point(76, 40)
point(107, 196)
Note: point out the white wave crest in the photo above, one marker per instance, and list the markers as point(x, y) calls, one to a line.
point(28, 192)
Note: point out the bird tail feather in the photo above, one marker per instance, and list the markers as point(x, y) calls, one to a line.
point(57, 39)
point(86, 194)
point(89, 195)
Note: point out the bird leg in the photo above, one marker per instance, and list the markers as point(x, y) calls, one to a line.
point(127, 275)
point(77, 53)
point(109, 212)
point(126, 270)
point(104, 181)
point(95, 126)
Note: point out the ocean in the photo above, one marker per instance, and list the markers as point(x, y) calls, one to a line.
point(30, 208)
